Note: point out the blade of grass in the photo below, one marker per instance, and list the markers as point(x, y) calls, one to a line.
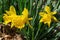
point(48, 2)
point(47, 32)
point(38, 30)
point(20, 5)
point(56, 5)
point(30, 14)
point(39, 4)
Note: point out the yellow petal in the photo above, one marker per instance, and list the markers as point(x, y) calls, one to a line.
point(42, 13)
point(30, 18)
point(6, 19)
point(25, 12)
point(47, 9)
point(48, 24)
point(6, 22)
point(55, 19)
point(12, 24)
point(45, 22)
point(7, 12)
point(20, 27)
point(12, 9)
point(54, 12)
point(41, 20)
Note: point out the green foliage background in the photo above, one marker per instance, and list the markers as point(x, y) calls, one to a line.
point(39, 31)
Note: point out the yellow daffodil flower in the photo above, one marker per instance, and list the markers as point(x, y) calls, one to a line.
point(9, 15)
point(20, 21)
point(47, 16)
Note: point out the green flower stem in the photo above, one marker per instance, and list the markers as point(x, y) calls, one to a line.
point(25, 3)
point(30, 6)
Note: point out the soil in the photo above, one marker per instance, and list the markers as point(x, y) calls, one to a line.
point(7, 33)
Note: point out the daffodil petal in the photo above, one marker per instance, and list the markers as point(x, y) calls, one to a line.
point(20, 27)
point(30, 18)
point(48, 24)
point(41, 20)
point(6, 22)
point(47, 9)
point(25, 12)
point(12, 9)
point(6, 19)
point(7, 12)
point(12, 24)
point(54, 12)
point(42, 13)
point(55, 19)
point(45, 22)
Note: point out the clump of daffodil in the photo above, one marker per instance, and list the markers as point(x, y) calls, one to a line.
point(47, 16)
point(16, 20)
